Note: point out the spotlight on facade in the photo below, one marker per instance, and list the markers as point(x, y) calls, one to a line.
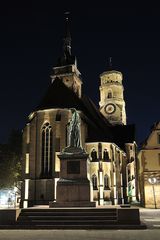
point(153, 181)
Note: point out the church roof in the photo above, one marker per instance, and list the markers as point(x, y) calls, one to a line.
point(59, 95)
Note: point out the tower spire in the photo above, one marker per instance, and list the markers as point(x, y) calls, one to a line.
point(67, 37)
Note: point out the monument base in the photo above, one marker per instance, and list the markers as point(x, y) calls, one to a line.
point(73, 189)
point(73, 193)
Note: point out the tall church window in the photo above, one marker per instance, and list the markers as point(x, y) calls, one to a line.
point(106, 182)
point(46, 158)
point(94, 181)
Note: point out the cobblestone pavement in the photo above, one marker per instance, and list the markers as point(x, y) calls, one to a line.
point(80, 234)
point(151, 217)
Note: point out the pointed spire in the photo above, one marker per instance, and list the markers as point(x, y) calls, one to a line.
point(67, 37)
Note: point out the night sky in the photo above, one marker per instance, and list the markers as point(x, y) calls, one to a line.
point(31, 42)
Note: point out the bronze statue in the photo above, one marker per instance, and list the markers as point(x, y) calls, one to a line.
point(74, 137)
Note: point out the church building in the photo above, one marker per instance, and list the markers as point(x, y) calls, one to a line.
point(106, 137)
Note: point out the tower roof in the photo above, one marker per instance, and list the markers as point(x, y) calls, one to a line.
point(67, 36)
point(67, 57)
point(110, 68)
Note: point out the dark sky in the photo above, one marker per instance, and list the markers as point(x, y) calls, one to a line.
point(31, 42)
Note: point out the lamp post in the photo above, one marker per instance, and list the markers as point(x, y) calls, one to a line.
point(152, 181)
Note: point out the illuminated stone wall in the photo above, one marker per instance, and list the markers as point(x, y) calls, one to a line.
point(102, 167)
point(149, 166)
point(41, 188)
point(112, 104)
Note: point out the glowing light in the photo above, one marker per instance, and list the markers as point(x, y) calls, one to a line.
point(31, 116)
point(27, 163)
point(26, 188)
point(28, 133)
point(101, 189)
point(25, 204)
point(152, 180)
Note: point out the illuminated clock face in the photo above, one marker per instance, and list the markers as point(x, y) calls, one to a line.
point(110, 108)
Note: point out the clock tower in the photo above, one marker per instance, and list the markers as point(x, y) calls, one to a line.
point(112, 104)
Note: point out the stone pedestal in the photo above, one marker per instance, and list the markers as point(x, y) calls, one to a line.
point(73, 187)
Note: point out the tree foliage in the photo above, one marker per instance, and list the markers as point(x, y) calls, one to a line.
point(10, 160)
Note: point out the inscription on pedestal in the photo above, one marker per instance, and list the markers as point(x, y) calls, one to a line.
point(73, 167)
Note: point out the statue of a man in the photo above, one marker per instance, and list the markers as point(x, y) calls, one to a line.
point(74, 136)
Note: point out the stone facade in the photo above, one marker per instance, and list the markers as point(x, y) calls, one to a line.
point(109, 165)
point(42, 183)
point(149, 166)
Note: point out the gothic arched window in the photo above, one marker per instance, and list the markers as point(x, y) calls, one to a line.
point(46, 157)
point(105, 155)
point(106, 182)
point(94, 181)
point(94, 155)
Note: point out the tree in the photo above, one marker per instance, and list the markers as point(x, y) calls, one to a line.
point(10, 160)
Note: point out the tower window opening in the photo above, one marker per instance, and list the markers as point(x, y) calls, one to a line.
point(109, 94)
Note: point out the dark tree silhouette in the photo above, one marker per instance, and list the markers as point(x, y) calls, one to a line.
point(10, 160)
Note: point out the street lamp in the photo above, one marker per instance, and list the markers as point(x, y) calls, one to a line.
point(152, 181)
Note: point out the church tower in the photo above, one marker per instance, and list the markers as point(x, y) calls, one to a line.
point(66, 68)
point(112, 104)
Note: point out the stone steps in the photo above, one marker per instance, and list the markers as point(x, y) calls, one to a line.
point(85, 217)
point(77, 218)
point(59, 218)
